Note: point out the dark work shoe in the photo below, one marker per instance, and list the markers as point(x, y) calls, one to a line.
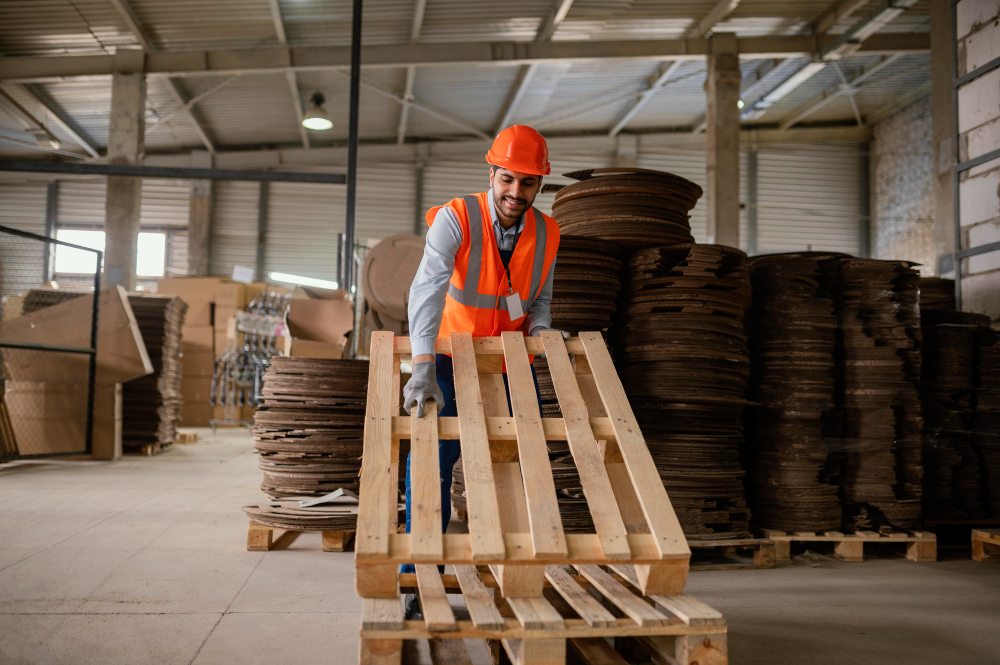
point(411, 607)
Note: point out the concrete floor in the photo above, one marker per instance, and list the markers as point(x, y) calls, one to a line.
point(144, 561)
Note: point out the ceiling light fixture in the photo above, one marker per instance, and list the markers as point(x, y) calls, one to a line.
point(285, 278)
point(316, 116)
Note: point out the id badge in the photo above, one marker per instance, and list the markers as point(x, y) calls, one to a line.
point(514, 306)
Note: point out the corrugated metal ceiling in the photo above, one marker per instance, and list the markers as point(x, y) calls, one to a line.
point(578, 97)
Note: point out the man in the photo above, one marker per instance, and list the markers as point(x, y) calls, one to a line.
point(487, 268)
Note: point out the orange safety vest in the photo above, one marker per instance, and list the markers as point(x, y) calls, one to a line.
point(476, 301)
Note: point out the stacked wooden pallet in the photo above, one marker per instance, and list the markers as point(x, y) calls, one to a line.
point(151, 404)
point(636, 558)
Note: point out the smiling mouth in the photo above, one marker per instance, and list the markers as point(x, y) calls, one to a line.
point(514, 203)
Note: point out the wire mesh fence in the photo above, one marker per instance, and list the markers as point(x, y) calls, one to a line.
point(48, 353)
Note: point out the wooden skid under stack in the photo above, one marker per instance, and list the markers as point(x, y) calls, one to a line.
point(513, 514)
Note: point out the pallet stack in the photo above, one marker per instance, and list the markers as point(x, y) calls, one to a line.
point(879, 395)
point(635, 560)
point(308, 430)
point(680, 348)
point(793, 344)
point(151, 404)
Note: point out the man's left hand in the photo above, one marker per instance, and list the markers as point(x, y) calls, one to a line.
point(538, 330)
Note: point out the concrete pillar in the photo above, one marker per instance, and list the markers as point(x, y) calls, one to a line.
point(126, 145)
point(200, 217)
point(722, 141)
point(943, 130)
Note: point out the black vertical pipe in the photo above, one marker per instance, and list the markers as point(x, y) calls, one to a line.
point(51, 214)
point(347, 278)
point(262, 198)
point(92, 370)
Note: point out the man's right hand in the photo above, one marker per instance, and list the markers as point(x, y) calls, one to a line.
point(421, 387)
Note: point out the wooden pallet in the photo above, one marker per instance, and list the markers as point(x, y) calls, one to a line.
point(920, 545)
point(262, 538)
point(579, 607)
point(986, 545)
point(726, 554)
point(513, 515)
point(148, 449)
point(186, 437)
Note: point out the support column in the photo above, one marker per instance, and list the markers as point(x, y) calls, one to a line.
point(126, 144)
point(722, 117)
point(943, 131)
point(200, 217)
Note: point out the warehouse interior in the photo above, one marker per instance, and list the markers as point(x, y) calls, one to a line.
point(778, 274)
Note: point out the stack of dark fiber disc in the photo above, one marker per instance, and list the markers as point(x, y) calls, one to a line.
point(680, 349)
point(937, 293)
point(289, 515)
point(793, 342)
point(632, 208)
point(953, 474)
point(585, 285)
point(986, 420)
point(151, 404)
point(309, 429)
point(879, 394)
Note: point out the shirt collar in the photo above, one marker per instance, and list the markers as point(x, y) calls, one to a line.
point(496, 221)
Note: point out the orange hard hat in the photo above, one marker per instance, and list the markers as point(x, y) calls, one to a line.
point(520, 148)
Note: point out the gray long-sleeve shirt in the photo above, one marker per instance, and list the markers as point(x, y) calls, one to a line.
point(427, 293)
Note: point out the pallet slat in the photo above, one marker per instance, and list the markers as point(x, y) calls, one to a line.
point(434, 603)
point(577, 597)
point(426, 534)
point(547, 538)
point(633, 606)
point(583, 446)
point(478, 599)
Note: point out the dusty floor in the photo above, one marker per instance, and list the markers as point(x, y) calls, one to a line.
point(144, 561)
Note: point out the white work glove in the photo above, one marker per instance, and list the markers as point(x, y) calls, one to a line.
point(538, 330)
point(421, 387)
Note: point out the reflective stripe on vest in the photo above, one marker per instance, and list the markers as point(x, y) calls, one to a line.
point(469, 295)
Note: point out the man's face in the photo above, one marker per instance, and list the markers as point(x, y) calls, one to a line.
point(513, 191)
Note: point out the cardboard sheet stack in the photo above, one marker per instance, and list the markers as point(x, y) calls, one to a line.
point(793, 343)
point(879, 394)
point(586, 284)
point(151, 404)
point(309, 428)
point(986, 420)
point(680, 349)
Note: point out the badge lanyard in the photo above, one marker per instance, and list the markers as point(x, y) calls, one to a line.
point(513, 299)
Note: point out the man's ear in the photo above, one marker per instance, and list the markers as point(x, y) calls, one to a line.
point(493, 170)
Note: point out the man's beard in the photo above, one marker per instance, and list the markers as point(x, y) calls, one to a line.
point(522, 205)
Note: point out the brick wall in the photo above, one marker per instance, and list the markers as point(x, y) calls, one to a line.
point(903, 205)
point(978, 28)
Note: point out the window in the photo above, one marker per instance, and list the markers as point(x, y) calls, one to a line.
point(150, 262)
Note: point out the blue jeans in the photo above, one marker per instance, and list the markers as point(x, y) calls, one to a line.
point(449, 450)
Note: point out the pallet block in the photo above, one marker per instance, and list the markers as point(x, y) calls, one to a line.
point(513, 515)
point(262, 538)
point(722, 554)
point(986, 545)
point(920, 545)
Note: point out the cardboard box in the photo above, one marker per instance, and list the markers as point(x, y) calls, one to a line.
point(321, 320)
point(196, 390)
point(221, 342)
point(230, 294)
point(197, 365)
point(222, 316)
point(196, 415)
point(197, 339)
point(254, 289)
point(199, 313)
point(190, 289)
point(307, 348)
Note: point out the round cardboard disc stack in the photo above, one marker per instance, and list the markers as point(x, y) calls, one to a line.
point(793, 341)
point(288, 515)
point(632, 208)
point(953, 473)
point(309, 429)
point(937, 293)
point(585, 285)
point(388, 271)
point(986, 420)
point(681, 353)
point(879, 319)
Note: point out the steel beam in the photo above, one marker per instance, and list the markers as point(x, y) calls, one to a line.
point(144, 171)
point(411, 72)
point(59, 119)
point(506, 54)
point(666, 73)
point(135, 26)
point(841, 9)
point(527, 72)
point(290, 77)
point(721, 10)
